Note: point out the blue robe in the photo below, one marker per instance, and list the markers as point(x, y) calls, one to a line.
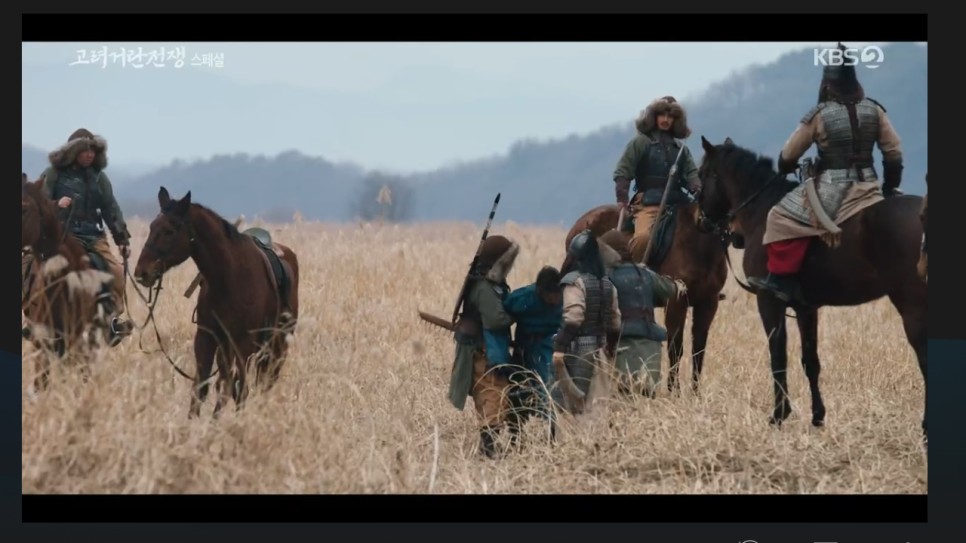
point(536, 323)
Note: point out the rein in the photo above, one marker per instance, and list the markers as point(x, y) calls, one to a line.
point(722, 227)
point(151, 300)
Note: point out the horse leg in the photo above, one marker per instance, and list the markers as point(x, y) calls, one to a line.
point(772, 313)
point(205, 348)
point(808, 330)
point(912, 308)
point(702, 316)
point(675, 315)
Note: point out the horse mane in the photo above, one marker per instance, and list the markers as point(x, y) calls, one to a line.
point(231, 232)
point(755, 171)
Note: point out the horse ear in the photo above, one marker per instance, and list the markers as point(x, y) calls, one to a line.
point(728, 141)
point(708, 147)
point(164, 198)
point(182, 206)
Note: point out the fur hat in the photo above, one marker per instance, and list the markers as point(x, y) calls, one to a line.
point(616, 242)
point(81, 140)
point(497, 257)
point(647, 121)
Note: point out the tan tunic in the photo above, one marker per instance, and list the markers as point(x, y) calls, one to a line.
point(573, 306)
point(860, 195)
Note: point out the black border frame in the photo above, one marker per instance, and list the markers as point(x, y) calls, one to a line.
point(947, 344)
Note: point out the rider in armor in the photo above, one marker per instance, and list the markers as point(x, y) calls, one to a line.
point(639, 290)
point(648, 159)
point(483, 364)
point(591, 315)
point(76, 180)
point(845, 125)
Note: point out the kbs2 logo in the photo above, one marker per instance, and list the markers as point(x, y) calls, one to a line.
point(870, 56)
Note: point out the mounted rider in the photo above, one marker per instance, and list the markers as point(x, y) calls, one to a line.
point(591, 316)
point(639, 291)
point(76, 180)
point(648, 159)
point(845, 125)
point(482, 366)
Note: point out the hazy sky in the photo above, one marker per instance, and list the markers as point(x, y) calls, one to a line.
point(488, 95)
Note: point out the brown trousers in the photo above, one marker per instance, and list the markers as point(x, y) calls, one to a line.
point(490, 393)
point(644, 219)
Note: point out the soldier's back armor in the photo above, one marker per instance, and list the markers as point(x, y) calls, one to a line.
point(598, 299)
point(653, 170)
point(635, 298)
point(80, 185)
point(849, 142)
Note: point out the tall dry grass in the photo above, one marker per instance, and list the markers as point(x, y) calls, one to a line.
point(361, 405)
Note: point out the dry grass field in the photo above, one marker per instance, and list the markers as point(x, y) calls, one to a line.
point(361, 406)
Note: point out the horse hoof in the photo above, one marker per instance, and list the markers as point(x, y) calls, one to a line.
point(818, 423)
point(775, 421)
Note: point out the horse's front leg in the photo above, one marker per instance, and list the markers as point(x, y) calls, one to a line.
point(808, 329)
point(772, 313)
point(675, 315)
point(205, 349)
point(702, 316)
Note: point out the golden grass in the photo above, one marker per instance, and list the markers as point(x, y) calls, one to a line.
point(361, 405)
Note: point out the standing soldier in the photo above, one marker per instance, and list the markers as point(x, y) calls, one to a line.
point(591, 317)
point(845, 125)
point(639, 290)
point(76, 180)
point(648, 159)
point(483, 365)
point(537, 309)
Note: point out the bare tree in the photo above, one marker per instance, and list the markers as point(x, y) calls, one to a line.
point(384, 198)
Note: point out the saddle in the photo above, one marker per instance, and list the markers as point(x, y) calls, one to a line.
point(274, 257)
point(662, 232)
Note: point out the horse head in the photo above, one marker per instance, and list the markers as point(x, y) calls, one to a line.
point(169, 239)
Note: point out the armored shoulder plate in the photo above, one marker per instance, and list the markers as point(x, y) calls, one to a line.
point(807, 118)
point(570, 278)
point(876, 102)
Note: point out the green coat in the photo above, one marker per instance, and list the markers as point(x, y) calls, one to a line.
point(494, 318)
point(636, 152)
point(86, 199)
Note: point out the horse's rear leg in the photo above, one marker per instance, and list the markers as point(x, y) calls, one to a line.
point(911, 303)
point(702, 316)
point(808, 329)
point(675, 315)
point(205, 348)
point(772, 313)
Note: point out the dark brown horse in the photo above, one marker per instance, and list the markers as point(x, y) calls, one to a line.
point(239, 311)
point(60, 285)
point(922, 268)
point(696, 258)
point(876, 257)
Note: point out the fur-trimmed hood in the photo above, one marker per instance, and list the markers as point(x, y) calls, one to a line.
point(647, 121)
point(500, 269)
point(80, 140)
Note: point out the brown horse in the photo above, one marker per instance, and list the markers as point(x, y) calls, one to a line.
point(240, 316)
point(61, 287)
point(696, 258)
point(877, 257)
point(922, 268)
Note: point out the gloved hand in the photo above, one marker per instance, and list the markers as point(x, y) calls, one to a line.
point(622, 188)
